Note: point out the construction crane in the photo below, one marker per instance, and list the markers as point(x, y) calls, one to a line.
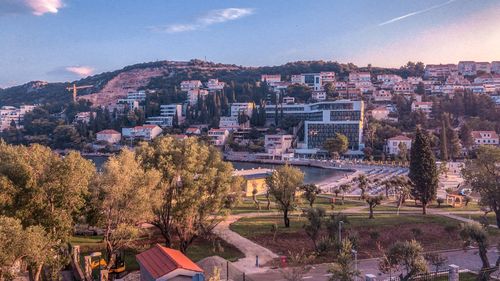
point(75, 89)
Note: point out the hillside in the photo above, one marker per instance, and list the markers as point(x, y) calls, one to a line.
point(110, 86)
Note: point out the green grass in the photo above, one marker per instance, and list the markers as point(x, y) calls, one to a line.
point(250, 227)
point(491, 217)
point(248, 206)
point(200, 249)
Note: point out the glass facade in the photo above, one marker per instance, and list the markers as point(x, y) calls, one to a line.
point(318, 133)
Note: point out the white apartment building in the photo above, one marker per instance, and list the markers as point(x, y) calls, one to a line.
point(393, 144)
point(277, 147)
point(318, 95)
point(140, 96)
point(495, 67)
point(238, 108)
point(10, 115)
point(314, 80)
point(487, 78)
point(109, 136)
point(190, 85)
point(389, 79)
point(484, 67)
point(83, 117)
point(167, 115)
point(215, 85)
point(403, 87)
point(467, 68)
point(218, 137)
point(425, 106)
point(195, 94)
point(360, 77)
point(289, 100)
point(485, 137)
point(440, 71)
point(231, 123)
point(270, 78)
point(146, 132)
point(414, 80)
point(382, 96)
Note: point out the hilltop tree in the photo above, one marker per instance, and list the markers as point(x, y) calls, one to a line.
point(337, 145)
point(311, 191)
point(483, 175)
point(443, 142)
point(194, 185)
point(283, 184)
point(122, 198)
point(423, 171)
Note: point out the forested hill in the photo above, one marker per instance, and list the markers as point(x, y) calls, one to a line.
point(165, 74)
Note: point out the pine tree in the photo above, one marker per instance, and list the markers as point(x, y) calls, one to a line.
point(423, 170)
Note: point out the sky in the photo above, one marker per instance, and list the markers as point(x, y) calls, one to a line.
point(64, 40)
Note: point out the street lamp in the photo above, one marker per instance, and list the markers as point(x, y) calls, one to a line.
point(355, 253)
point(340, 230)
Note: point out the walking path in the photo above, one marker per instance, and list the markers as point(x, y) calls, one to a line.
point(247, 247)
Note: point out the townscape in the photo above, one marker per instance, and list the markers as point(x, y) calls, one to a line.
point(199, 170)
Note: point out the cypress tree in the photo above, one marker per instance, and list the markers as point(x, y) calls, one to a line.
point(423, 171)
point(443, 142)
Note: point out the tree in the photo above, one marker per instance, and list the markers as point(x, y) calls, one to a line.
point(343, 269)
point(373, 201)
point(403, 152)
point(406, 256)
point(443, 142)
point(122, 196)
point(311, 191)
point(344, 188)
point(465, 135)
point(402, 186)
point(46, 193)
point(423, 171)
point(313, 227)
point(436, 260)
point(283, 184)
point(337, 145)
point(474, 234)
point(301, 262)
point(483, 175)
point(194, 185)
point(363, 184)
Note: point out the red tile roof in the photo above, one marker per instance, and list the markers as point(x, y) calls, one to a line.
point(400, 138)
point(159, 261)
point(477, 134)
point(108, 132)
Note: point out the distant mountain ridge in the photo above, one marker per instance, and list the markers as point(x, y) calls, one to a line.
point(110, 86)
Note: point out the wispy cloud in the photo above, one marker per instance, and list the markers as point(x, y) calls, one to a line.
point(35, 7)
point(416, 13)
point(210, 18)
point(82, 71)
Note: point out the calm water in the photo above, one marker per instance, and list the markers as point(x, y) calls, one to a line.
point(311, 174)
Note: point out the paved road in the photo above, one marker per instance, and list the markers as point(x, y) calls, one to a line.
point(465, 259)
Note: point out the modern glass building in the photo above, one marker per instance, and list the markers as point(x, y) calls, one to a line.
point(323, 120)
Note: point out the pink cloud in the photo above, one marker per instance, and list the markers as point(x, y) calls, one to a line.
point(40, 7)
point(82, 71)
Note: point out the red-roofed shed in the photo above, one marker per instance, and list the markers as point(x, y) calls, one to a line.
point(165, 264)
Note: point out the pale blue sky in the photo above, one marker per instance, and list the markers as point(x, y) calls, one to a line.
point(42, 39)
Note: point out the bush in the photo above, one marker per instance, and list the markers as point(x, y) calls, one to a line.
point(440, 201)
point(374, 235)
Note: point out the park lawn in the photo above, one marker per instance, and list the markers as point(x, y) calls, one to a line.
point(433, 232)
point(491, 217)
point(248, 206)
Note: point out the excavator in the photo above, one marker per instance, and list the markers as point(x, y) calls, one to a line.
point(99, 262)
